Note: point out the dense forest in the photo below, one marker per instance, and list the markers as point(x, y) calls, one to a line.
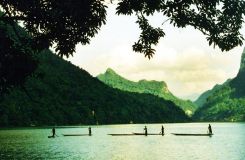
point(160, 89)
point(59, 93)
point(227, 102)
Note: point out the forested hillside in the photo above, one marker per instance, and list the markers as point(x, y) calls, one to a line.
point(202, 99)
point(60, 93)
point(227, 103)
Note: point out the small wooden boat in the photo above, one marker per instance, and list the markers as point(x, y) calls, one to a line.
point(121, 134)
point(154, 134)
point(76, 135)
point(190, 134)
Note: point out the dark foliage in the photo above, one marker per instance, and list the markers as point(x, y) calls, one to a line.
point(65, 23)
point(69, 22)
point(219, 20)
point(17, 61)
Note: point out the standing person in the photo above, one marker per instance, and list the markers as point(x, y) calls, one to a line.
point(145, 131)
point(162, 130)
point(210, 129)
point(53, 132)
point(89, 131)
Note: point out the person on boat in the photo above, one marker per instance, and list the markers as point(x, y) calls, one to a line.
point(145, 129)
point(162, 130)
point(89, 131)
point(53, 132)
point(210, 129)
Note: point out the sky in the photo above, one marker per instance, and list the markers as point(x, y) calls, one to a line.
point(183, 58)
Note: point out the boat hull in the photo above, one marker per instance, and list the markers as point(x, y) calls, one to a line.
point(119, 134)
point(187, 134)
point(151, 134)
point(76, 135)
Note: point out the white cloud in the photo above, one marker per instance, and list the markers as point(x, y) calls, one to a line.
point(183, 58)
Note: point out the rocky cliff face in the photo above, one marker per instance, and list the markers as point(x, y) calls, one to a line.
point(238, 83)
point(242, 65)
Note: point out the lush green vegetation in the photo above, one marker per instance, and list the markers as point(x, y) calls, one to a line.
point(156, 88)
point(16, 62)
point(227, 103)
point(222, 106)
point(202, 99)
point(61, 93)
point(66, 94)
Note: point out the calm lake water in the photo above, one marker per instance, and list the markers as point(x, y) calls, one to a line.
point(227, 143)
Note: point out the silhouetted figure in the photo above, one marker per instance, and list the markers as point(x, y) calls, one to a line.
point(145, 131)
point(210, 129)
point(53, 132)
point(162, 130)
point(89, 131)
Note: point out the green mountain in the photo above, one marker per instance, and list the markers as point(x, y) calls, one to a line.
point(60, 93)
point(227, 103)
point(202, 99)
point(160, 89)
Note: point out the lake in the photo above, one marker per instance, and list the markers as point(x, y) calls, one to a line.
point(227, 143)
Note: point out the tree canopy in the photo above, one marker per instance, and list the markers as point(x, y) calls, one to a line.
point(219, 20)
point(63, 24)
point(67, 23)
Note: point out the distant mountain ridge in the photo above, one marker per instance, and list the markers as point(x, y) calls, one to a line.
point(111, 78)
point(227, 102)
point(157, 88)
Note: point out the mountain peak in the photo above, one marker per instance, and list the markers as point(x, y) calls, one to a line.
point(109, 70)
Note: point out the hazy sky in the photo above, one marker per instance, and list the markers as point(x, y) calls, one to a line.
point(183, 58)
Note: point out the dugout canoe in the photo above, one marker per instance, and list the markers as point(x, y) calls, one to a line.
point(153, 134)
point(76, 135)
point(190, 134)
point(122, 134)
